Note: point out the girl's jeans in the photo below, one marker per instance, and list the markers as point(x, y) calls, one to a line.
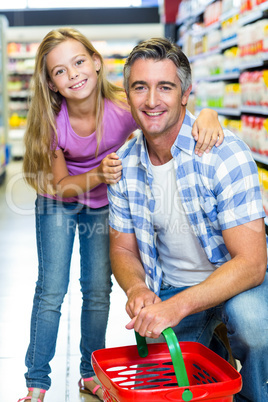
point(56, 223)
point(246, 319)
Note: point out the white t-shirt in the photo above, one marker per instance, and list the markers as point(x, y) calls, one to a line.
point(183, 260)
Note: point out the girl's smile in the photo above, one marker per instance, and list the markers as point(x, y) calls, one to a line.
point(79, 85)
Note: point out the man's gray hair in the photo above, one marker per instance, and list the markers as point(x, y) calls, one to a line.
point(160, 49)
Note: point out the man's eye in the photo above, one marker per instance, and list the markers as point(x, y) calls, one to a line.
point(165, 88)
point(139, 88)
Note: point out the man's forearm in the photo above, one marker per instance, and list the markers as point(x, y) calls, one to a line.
point(127, 269)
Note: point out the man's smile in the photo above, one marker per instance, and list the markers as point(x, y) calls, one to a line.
point(153, 113)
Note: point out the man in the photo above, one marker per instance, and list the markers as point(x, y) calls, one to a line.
point(188, 242)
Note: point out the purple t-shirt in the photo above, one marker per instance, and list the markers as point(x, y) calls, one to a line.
point(79, 152)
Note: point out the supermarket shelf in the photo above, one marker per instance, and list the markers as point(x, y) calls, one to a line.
point(204, 55)
point(229, 14)
point(227, 43)
point(15, 139)
point(220, 77)
point(19, 94)
point(262, 110)
point(257, 62)
point(22, 55)
point(250, 17)
point(223, 111)
point(21, 72)
point(206, 30)
point(255, 110)
point(16, 133)
point(260, 158)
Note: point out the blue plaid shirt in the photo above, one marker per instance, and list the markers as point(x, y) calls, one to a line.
point(218, 191)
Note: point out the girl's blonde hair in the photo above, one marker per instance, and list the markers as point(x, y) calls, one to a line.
point(41, 132)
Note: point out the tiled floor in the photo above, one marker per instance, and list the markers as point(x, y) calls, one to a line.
point(18, 272)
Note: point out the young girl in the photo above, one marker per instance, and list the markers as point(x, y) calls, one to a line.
point(76, 122)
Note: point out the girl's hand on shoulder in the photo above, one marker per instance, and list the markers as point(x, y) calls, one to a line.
point(207, 131)
point(110, 169)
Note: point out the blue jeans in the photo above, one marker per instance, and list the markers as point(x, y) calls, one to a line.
point(56, 224)
point(246, 319)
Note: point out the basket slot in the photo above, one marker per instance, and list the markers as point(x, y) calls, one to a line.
point(117, 368)
point(145, 376)
point(130, 383)
point(159, 369)
point(145, 387)
point(119, 379)
point(143, 365)
point(159, 380)
point(130, 372)
point(169, 374)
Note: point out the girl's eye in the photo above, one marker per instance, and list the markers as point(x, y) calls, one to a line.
point(80, 62)
point(59, 72)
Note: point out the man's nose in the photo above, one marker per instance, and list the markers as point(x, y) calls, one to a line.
point(152, 98)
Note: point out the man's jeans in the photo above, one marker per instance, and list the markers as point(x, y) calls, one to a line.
point(56, 224)
point(246, 319)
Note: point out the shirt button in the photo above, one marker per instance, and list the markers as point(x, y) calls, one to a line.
point(150, 271)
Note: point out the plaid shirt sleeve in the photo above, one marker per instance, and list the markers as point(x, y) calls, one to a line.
point(236, 184)
point(119, 212)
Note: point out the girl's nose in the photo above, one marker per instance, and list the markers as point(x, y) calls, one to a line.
point(73, 74)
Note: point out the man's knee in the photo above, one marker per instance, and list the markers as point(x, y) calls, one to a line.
point(245, 316)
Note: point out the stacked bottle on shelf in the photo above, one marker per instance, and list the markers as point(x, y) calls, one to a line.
point(254, 88)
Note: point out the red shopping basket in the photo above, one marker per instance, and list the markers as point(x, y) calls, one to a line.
point(165, 372)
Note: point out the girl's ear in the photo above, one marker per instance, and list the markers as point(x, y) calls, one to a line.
point(52, 86)
point(96, 61)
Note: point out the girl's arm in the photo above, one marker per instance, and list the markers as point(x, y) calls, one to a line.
point(109, 172)
point(207, 131)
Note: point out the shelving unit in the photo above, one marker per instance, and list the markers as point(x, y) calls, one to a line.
point(3, 99)
point(221, 49)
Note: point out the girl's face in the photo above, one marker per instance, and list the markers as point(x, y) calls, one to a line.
point(72, 71)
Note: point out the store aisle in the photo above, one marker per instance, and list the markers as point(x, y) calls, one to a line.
point(18, 272)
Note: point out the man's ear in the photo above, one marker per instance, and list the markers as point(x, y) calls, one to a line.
point(186, 95)
point(52, 86)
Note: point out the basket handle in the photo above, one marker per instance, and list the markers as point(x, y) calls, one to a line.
point(176, 357)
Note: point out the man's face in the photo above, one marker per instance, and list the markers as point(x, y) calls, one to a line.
point(155, 97)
